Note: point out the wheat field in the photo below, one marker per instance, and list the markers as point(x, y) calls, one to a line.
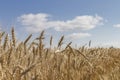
point(28, 60)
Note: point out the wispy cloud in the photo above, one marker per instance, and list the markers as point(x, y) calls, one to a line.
point(110, 43)
point(78, 35)
point(41, 21)
point(116, 25)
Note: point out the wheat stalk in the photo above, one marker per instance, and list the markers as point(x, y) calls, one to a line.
point(13, 37)
point(60, 41)
point(5, 42)
point(25, 42)
point(51, 38)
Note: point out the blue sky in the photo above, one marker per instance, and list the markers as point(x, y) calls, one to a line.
point(79, 20)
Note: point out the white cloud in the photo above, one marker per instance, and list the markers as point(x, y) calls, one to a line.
point(78, 35)
point(40, 21)
point(34, 22)
point(116, 25)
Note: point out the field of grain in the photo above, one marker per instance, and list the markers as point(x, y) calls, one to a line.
point(28, 60)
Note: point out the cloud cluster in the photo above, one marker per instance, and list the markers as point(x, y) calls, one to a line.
point(41, 21)
point(78, 35)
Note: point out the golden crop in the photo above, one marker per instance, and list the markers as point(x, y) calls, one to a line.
point(32, 61)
